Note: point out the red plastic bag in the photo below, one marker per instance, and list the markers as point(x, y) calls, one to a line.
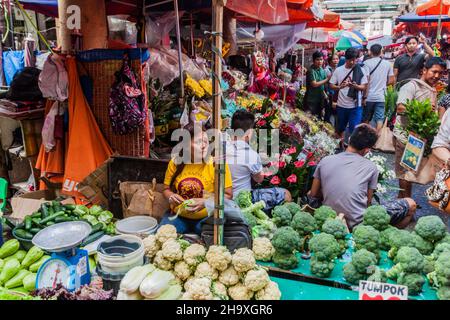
point(269, 11)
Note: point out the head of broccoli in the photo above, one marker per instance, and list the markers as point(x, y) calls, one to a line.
point(285, 261)
point(335, 227)
point(366, 237)
point(431, 228)
point(443, 293)
point(425, 247)
point(385, 236)
point(414, 282)
point(322, 214)
point(250, 219)
point(293, 207)
point(410, 259)
point(321, 268)
point(363, 259)
point(440, 248)
point(377, 217)
point(398, 239)
point(281, 216)
point(244, 199)
point(343, 246)
point(377, 274)
point(445, 239)
point(442, 269)
point(324, 246)
point(286, 240)
point(352, 275)
point(304, 223)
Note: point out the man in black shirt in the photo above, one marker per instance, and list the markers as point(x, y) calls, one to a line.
point(408, 65)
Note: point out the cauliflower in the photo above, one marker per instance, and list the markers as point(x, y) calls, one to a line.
point(182, 270)
point(161, 262)
point(219, 290)
point(194, 254)
point(186, 296)
point(229, 277)
point(151, 246)
point(256, 280)
point(263, 249)
point(243, 260)
point(166, 232)
point(269, 292)
point(431, 228)
point(204, 269)
point(240, 292)
point(171, 250)
point(218, 257)
point(199, 289)
point(188, 283)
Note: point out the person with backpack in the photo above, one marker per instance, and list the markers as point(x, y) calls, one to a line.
point(350, 80)
point(381, 74)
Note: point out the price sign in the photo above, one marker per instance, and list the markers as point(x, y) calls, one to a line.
point(412, 156)
point(369, 290)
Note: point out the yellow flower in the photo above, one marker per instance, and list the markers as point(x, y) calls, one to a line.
point(207, 86)
point(275, 123)
point(194, 87)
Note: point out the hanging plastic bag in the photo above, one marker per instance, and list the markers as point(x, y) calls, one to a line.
point(13, 62)
point(157, 28)
point(48, 130)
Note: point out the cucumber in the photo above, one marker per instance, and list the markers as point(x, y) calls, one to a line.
point(70, 207)
point(37, 214)
point(63, 219)
point(37, 222)
point(23, 234)
point(96, 228)
point(35, 230)
point(92, 238)
point(50, 223)
point(44, 210)
point(28, 222)
point(52, 217)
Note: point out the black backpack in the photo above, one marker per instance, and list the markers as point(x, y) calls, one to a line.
point(25, 86)
point(236, 232)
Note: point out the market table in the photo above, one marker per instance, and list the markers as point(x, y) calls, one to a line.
point(334, 287)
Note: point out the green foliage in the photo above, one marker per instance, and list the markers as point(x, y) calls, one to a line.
point(322, 214)
point(377, 217)
point(390, 98)
point(286, 240)
point(304, 223)
point(431, 228)
point(281, 216)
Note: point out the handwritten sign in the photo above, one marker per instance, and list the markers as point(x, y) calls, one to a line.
point(412, 156)
point(369, 290)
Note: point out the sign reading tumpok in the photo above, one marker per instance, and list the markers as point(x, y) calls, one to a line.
point(369, 290)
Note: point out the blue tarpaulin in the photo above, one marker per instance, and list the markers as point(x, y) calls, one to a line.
point(412, 17)
point(13, 62)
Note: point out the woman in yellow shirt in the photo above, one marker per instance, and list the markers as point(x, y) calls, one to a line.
point(192, 181)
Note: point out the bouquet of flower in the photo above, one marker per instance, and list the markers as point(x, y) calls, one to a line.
point(299, 98)
point(384, 176)
point(322, 144)
point(250, 101)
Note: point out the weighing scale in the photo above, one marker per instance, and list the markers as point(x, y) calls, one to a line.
point(68, 264)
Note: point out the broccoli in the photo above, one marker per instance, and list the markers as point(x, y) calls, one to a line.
point(321, 268)
point(324, 246)
point(293, 207)
point(250, 219)
point(257, 210)
point(367, 237)
point(285, 261)
point(443, 293)
point(410, 259)
point(431, 228)
point(286, 240)
point(394, 272)
point(384, 238)
point(446, 239)
point(414, 282)
point(304, 223)
point(377, 274)
point(343, 246)
point(244, 199)
point(363, 259)
point(335, 227)
point(428, 264)
point(425, 247)
point(442, 269)
point(398, 239)
point(377, 217)
point(264, 228)
point(351, 275)
point(322, 214)
point(440, 248)
point(281, 216)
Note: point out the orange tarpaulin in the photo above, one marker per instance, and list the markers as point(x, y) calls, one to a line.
point(330, 20)
point(433, 7)
point(87, 148)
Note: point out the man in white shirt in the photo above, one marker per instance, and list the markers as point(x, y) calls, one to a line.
point(351, 80)
point(381, 74)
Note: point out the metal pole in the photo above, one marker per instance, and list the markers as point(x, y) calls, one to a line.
point(219, 187)
point(303, 63)
point(438, 35)
point(180, 59)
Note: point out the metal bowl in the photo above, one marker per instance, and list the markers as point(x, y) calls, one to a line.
point(62, 236)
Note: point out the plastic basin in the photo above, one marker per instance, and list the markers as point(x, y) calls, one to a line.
point(120, 253)
point(137, 225)
point(26, 244)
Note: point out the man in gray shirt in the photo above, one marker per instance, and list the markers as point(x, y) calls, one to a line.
point(347, 181)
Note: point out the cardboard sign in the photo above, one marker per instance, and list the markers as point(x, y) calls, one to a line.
point(412, 156)
point(369, 290)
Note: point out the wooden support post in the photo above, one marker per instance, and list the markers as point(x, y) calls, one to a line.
point(217, 28)
point(229, 31)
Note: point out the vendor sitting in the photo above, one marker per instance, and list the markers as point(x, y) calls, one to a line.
point(191, 180)
point(245, 163)
point(346, 182)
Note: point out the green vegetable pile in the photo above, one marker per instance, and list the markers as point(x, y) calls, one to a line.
point(325, 249)
point(338, 230)
point(322, 214)
point(55, 212)
point(286, 242)
point(362, 267)
point(367, 237)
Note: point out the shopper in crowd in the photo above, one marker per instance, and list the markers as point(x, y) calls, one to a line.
point(347, 181)
point(316, 79)
point(380, 75)
point(191, 180)
point(246, 165)
point(416, 89)
point(444, 101)
point(351, 80)
point(441, 143)
point(333, 61)
point(410, 64)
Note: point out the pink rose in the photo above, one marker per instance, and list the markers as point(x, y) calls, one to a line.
point(282, 164)
point(299, 164)
point(291, 150)
point(275, 180)
point(261, 123)
point(292, 178)
point(266, 115)
point(267, 173)
point(311, 163)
